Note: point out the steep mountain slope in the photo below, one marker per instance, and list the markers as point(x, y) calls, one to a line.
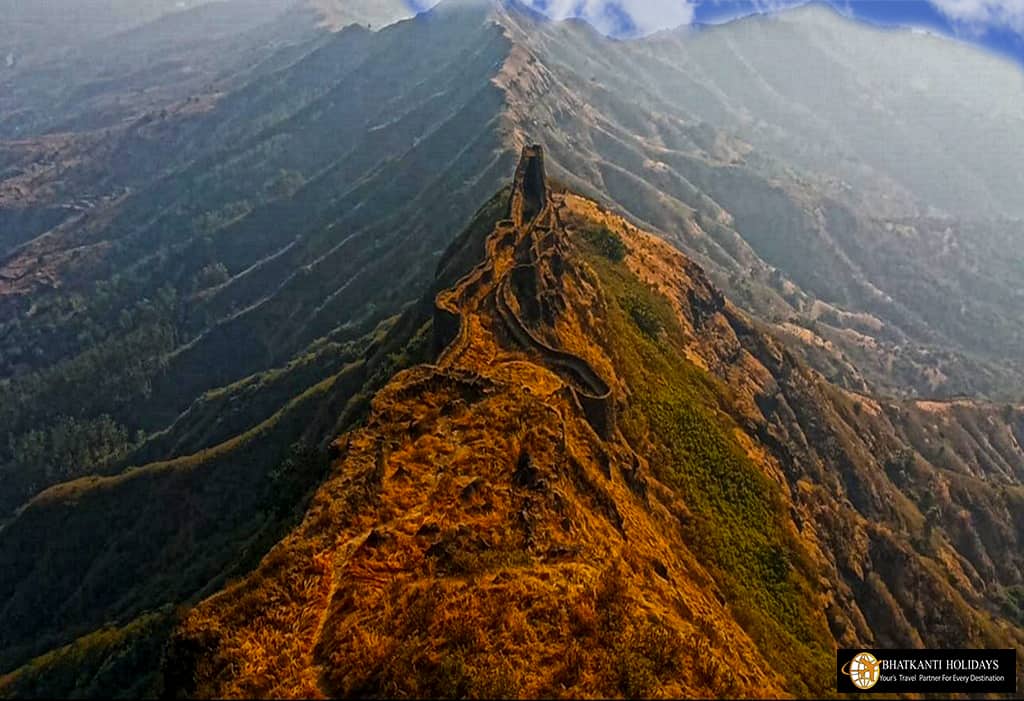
point(119, 69)
point(239, 207)
point(264, 246)
point(214, 292)
point(185, 232)
point(48, 26)
point(590, 399)
point(373, 13)
point(125, 536)
point(607, 469)
point(47, 33)
point(802, 190)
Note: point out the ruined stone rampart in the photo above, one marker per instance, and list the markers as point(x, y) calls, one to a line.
point(517, 290)
point(530, 192)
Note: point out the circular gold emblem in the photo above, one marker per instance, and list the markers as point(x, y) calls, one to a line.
point(863, 670)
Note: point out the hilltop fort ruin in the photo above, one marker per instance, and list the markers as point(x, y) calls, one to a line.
point(519, 280)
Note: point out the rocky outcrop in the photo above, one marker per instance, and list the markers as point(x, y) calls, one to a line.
point(530, 193)
point(520, 280)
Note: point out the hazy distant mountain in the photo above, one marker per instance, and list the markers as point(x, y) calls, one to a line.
point(782, 152)
point(371, 13)
point(214, 254)
point(103, 77)
point(33, 29)
point(798, 133)
point(124, 59)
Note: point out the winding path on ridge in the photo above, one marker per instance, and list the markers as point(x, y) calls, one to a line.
point(489, 286)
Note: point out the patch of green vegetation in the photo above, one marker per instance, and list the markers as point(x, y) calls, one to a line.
point(637, 679)
point(644, 315)
point(414, 352)
point(496, 682)
point(473, 563)
point(114, 662)
point(60, 451)
point(228, 411)
point(452, 678)
point(1013, 604)
point(606, 242)
point(738, 513)
point(635, 652)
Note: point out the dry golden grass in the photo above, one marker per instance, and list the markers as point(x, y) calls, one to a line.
point(428, 565)
point(479, 538)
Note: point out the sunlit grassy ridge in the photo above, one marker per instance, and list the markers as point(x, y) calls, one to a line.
point(480, 534)
point(680, 410)
point(168, 531)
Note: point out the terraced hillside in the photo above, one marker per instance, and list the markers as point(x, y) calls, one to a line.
point(257, 228)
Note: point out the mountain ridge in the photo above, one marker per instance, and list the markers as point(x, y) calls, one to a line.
point(634, 185)
point(851, 484)
point(421, 461)
point(225, 308)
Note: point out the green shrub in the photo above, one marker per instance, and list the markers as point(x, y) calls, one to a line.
point(660, 644)
point(110, 662)
point(607, 243)
point(451, 679)
point(644, 316)
point(637, 678)
point(495, 682)
point(1013, 604)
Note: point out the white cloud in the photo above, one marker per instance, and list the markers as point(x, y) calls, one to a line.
point(647, 15)
point(979, 14)
point(766, 6)
point(651, 15)
point(607, 15)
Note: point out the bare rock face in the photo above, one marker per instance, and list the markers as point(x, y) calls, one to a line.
point(530, 187)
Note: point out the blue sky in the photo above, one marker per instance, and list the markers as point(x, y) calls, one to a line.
point(995, 24)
